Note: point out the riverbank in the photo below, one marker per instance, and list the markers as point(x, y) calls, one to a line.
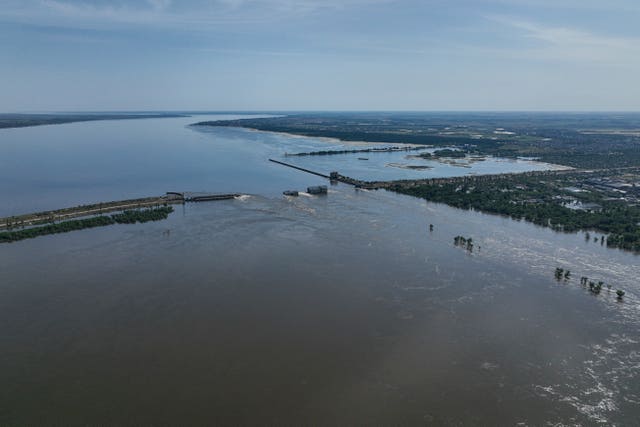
point(8, 121)
point(567, 202)
point(45, 217)
point(386, 149)
point(559, 139)
point(325, 139)
point(253, 278)
point(233, 297)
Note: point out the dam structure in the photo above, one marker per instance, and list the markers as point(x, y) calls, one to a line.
point(95, 209)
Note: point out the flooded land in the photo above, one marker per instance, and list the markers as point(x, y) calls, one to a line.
point(354, 307)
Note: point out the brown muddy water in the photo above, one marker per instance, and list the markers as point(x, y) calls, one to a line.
point(342, 309)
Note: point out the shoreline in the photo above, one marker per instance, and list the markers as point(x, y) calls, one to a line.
point(332, 140)
point(18, 121)
point(326, 139)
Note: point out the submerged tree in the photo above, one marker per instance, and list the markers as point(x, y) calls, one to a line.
point(464, 242)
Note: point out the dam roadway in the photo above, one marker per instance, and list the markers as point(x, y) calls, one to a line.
point(170, 198)
point(466, 179)
point(374, 185)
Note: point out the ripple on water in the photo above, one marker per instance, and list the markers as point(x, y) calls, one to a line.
point(603, 386)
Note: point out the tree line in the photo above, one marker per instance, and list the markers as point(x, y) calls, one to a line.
point(535, 202)
point(126, 217)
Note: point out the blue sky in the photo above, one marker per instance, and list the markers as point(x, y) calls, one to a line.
point(62, 55)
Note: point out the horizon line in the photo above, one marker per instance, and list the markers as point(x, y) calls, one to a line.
point(280, 111)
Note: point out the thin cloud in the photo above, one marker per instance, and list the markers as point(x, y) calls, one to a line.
point(244, 52)
point(196, 14)
point(571, 44)
point(624, 5)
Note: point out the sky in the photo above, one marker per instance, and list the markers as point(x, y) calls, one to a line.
point(499, 55)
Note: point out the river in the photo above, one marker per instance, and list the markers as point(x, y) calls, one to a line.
point(339, 309)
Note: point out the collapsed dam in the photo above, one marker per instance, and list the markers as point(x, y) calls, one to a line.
point(63, 214)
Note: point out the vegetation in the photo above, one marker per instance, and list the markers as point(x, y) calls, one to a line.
point(464, 242)
point(562, 273)
point(48, 217)
point(126, 217)
point(595, 287)
point(142, 216)
point(363, 150)
point(573, 139)
point(447, 152)
point(539, 201)
point(25, 120)
point(584, 140)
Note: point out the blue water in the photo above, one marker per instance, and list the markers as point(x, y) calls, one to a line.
point(387, 166)
point(49, 167)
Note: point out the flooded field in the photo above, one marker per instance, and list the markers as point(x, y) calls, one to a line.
point(337, 309)
point(386, 166)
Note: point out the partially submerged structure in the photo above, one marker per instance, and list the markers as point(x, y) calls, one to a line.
point(317, 189)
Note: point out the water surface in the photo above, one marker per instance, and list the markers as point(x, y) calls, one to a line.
point(342, 309)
